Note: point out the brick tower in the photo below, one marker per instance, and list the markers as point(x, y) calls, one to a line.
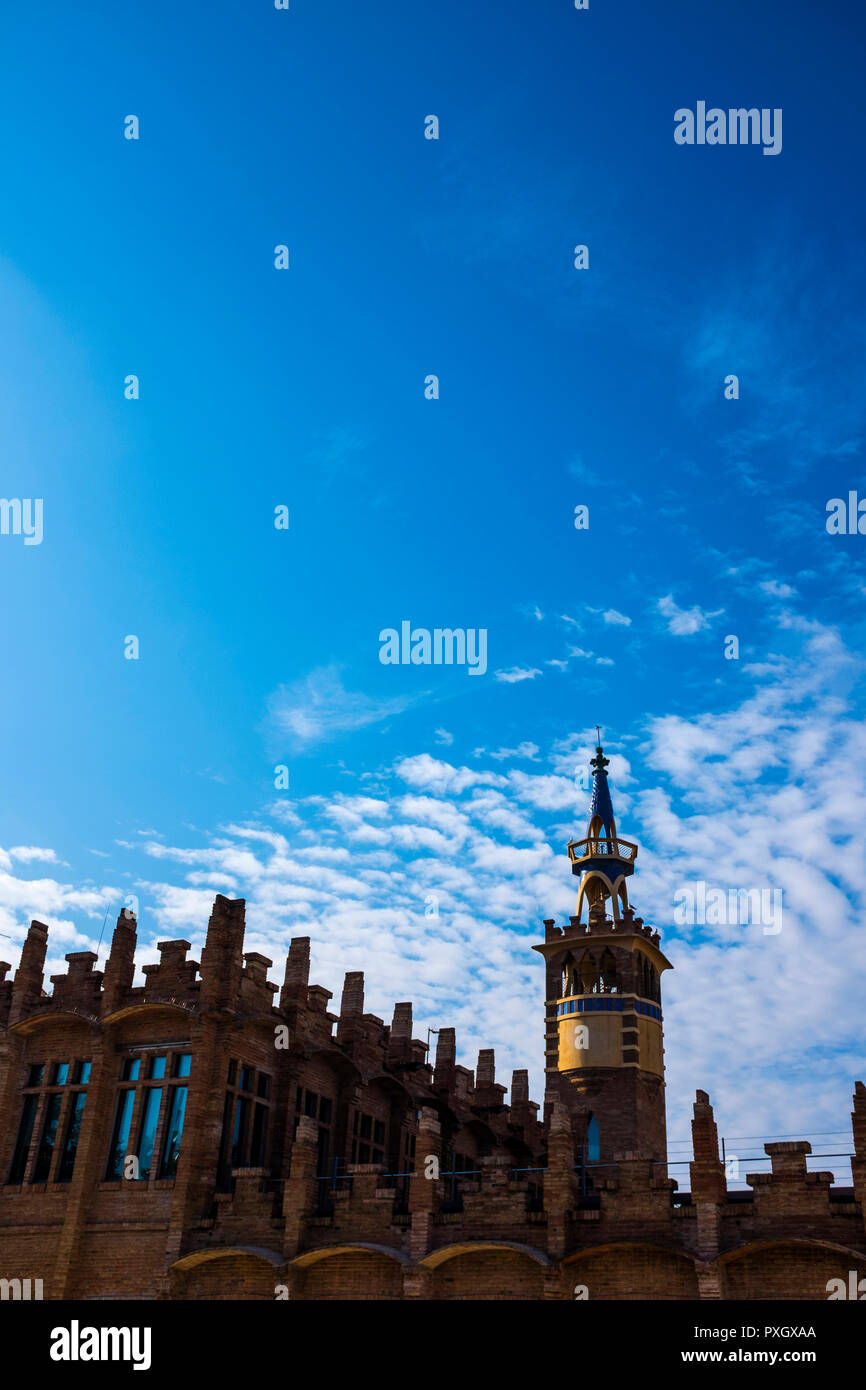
point(604, 1052)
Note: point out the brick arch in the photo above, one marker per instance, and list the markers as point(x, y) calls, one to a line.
point(228, 1272)
point(348, 1272)
point(632, 1270)
point(787, 1269)
point(487, 1271)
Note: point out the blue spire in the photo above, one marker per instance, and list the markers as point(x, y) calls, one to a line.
point(601, 804)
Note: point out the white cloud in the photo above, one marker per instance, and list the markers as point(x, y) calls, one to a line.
point(28, 853)
point(773, 589)
point(442, 736)
point(682, 622)
point(518, 673)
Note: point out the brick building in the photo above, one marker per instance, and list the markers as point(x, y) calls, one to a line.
point(197, 1137)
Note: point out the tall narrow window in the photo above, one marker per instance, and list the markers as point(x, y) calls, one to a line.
point(239, 1137)
point(49, 1138)
point(120, 1135)
point(147, 1133)
point(22, 1144)
point(593, 1141)
point(173, 1132)
point(73, 1132)
point(323, 1148)
point(245, 1121)
point(260, 1129)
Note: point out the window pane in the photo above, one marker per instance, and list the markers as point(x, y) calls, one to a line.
point(239, 1138)
point(233, 1071)
point(182, 1062)
point(129, 1070)
point(120, 1135)
point(325, 1111)
point(379, 1132)
point(156, 1070)
point(35, 1075)
point(173, 1132)
point(49, 1137)
point(59, 1073)
point(147, 1134)
point(25, 1134)
point(366, 1127)
point(81, 1073)
point(264, 1087)
point(311, 1103)
point(593, 1141)
point(260, 1129)
point(246, 1078)
point(323, 1148)
point(224, 1167)
point(73, 1130)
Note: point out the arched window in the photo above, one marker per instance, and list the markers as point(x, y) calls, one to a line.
point(593, 1141)
point(607, 969)
point(568, 981)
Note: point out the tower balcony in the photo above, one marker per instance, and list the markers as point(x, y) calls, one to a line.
point(612, 856)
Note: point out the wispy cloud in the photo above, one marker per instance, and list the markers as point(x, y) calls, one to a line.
point(318, 708)
point(518, 673)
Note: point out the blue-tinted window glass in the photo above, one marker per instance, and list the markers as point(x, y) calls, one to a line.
point(156, 1070)
point(173, 1132)
point(22, 1144)
point(60, 1073)
point(35, 1075)
point(182, 1062)
point(120, 1135)
point(49, 1138)
point(81, 1073)
point(593, 1141)
point(130, 1068)
point(73, 1131)
point(147, 1134)
point(239, 1138)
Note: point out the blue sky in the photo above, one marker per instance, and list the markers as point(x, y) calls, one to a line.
point(558, 387)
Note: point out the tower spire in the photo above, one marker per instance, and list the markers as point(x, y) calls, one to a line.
point(602, 860)
point(601, 805)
